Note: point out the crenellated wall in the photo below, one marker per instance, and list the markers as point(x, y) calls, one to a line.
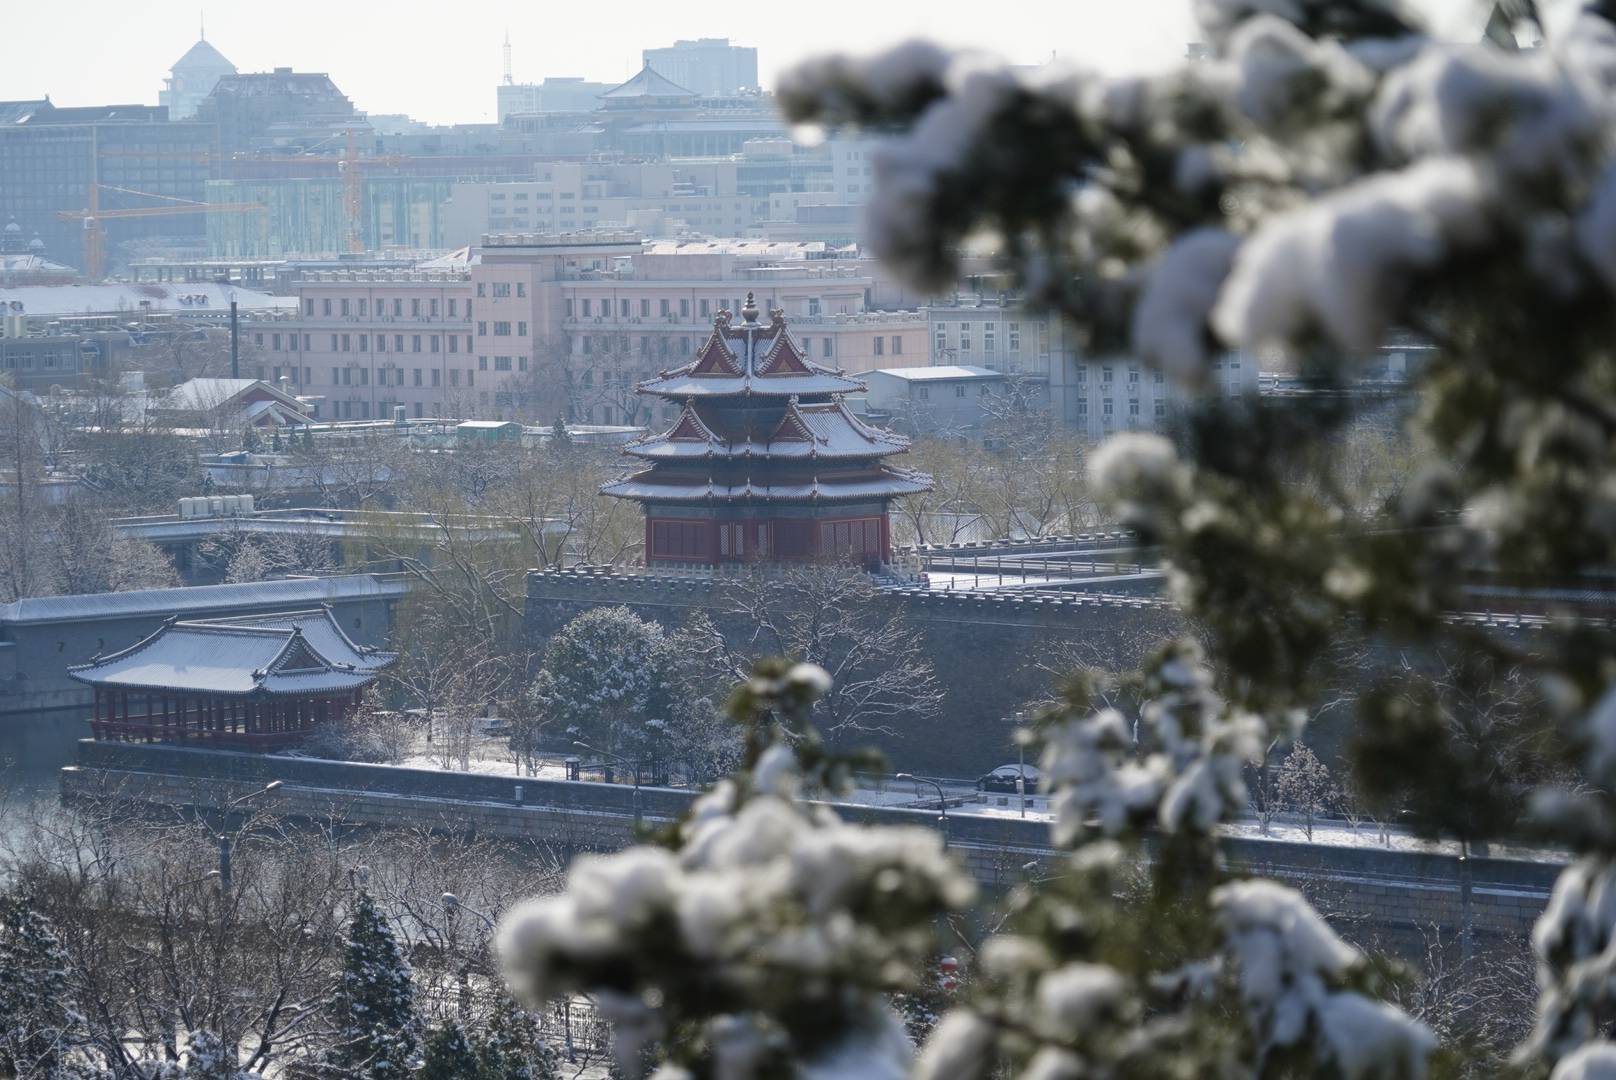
point(993, 652)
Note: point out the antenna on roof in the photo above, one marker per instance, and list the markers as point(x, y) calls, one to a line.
point(202, 25)
point(508, 79)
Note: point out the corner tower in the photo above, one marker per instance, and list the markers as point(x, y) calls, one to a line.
point(764, 461)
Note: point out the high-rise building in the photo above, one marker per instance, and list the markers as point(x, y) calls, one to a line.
point(711, 67)
point(192, 78)
point(279, 108)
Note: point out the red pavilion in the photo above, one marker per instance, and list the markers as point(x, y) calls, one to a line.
point(765, 461)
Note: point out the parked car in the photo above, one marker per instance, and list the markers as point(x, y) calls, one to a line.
point(1004, 778)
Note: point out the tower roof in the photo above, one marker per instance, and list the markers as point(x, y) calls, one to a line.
point(749, 358)
point(203, 55)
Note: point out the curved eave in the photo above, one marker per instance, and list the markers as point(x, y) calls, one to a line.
point(890, 486)
point(715, 386)
point(762, 452)
point(273, 686)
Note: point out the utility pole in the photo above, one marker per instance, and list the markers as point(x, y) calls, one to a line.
point(235, 346)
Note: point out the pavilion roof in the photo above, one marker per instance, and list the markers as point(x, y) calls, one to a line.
point(805, 432)
point(292, 653)
point(750, 358)
point(880, 483)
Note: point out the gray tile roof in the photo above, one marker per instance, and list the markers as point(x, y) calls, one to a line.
point(199, 599)
point(269, 654)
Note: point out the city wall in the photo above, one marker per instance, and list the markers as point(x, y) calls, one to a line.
point(993, 652)
point(1379, 889)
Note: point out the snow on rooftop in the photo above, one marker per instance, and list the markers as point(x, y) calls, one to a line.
point(189, 297)
point(941, 371)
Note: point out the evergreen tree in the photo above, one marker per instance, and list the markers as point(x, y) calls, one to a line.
point(211, 1058)
point(559, 435)
point(251, 441)
point(512, 1047)
point(275, 440)
point(449, 1056)
point(374, 1007)
point(35, 1004)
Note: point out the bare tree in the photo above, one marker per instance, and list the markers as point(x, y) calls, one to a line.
point(834, 616)
point(1305, 786)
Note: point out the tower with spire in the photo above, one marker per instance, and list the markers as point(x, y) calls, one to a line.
point(193, 77)
point(765, 461)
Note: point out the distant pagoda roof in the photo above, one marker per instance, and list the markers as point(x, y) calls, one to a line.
point(649, 83)
point(747, 358)
point(297, 653)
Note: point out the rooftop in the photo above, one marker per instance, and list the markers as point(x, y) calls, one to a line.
point(939, 373)
point(299, 652)
point(197, 599)
point(189, 296)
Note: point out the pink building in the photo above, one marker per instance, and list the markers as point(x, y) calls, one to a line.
point(537, 326)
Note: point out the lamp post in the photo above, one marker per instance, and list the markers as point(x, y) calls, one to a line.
point(224, 837)
point(942, 800)
point(634, 767)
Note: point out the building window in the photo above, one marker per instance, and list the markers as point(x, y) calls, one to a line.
point(415, 343)
point(1161, 408)
point(959, 391)
point(502, 363)
point(965, 337)
point(988, 338)
point(417, 377)
point(481, 289)
point(880, 345)
point(364, 342)
point(645, 308)
point(1015, 337)
point(432, 306)
point(482, 363)
point(454, 342)
point(684, 309)
point(482, 329)
point(432, 342)
point(566, 307)
point(521, 329)
point(398, 342)
point(941, 344)
point(1133, 373)
point(706, 309)
point(437, 377)
point(1107, 404)
point(665, 308)
point(924, 393)
point(415, 307)
point(325, 306)
point(1105, 374)
point(502, 288)
point(825, 348)
point(308, 306)
point(344, 303)
point(586, 306)
point(813, 305)
point(897, 345)
point(453, 304)
point(1082, 407)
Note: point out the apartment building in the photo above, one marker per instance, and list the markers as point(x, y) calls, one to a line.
point(362, 343)
point(540, 325)
point(1093, 395)
point(568, 197)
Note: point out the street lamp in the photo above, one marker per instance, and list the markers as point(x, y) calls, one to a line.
point(224, 837)
point(635, 767)
point(452, 904)
point(942, 800)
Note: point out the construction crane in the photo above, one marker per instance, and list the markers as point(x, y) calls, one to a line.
point(93, 219)
point(350, 170)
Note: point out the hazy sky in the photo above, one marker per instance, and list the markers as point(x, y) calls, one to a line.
point(440, 61)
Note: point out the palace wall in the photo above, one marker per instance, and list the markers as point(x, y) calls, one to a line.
point(993, 653)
